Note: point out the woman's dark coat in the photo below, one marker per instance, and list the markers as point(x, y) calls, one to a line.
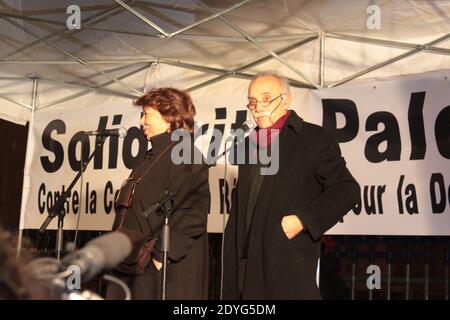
point(187, 274)
point(313, 183)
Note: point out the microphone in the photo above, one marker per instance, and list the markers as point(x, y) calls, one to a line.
point(246, 126)
point(100, 254)
point(120, 132)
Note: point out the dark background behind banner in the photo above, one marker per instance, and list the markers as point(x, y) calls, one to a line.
point(13, 145)
point(344, 259)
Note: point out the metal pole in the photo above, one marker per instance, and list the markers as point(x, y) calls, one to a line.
point(206, 37)
point(446, 262)
point(32, 44)
point(18, 16)
point(427, 269)
point(59, 236)
point(192, 66)
point(165, 251)
point(102, 61)
point(81, 172)
point(354, 257)
point(389, 280)
point(255, 63)
point(389, 267)
point(389, 61)
point(33, 109)
point(388, 43)
point(371, 256)
point(19, 244)
point(408, 269)
point(73, 96)
point(259, 45)
point(14, 78)
point(237, 5)
point(143, 18)
point(16, 102)
point(222, 72)
point(34, 94)
point(79, 60)
point(322, 61)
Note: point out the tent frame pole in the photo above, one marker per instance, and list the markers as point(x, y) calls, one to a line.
point(78, 59)
point(143, 18)
point(15, 101)
point(389, 61)
point(389, 43)
point(222, 73)
point(248, 37)
point(91, 89)
point(322, 61)
point(109, 61)
point(163, 33)
point(51, 35)
point(33, 109)
point(258, 62)
point(207, 37)
point(227, 73)
point(211, 17)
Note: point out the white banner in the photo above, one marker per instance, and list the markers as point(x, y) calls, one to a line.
point(394, 135)
point(53, 160)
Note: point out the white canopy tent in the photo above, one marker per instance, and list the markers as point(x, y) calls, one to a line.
point(123, 46)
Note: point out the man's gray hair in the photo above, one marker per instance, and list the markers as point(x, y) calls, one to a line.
point(284, 82)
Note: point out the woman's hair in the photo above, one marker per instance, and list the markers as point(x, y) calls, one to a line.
point(175, 106)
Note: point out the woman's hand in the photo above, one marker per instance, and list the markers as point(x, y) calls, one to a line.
point(157, 264)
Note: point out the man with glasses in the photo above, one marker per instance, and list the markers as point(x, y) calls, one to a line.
point(272, 238)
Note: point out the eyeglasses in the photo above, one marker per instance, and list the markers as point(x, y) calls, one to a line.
point(252, 102)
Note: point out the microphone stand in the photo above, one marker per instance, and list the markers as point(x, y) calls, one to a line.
point(58, 209)
point(164, 207)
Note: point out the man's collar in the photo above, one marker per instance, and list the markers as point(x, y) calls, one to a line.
point(294, 121)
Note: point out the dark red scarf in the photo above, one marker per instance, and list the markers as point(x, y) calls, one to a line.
point(256, 135)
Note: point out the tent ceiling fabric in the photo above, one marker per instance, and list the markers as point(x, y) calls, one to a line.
point(212, 40)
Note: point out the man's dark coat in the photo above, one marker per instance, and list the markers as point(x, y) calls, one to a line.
point(313, 183)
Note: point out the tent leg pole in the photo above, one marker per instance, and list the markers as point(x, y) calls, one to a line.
point(33, 109)
point(322, 61)
point(19, 244)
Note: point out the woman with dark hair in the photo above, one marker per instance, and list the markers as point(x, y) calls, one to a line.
point(164, 110)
